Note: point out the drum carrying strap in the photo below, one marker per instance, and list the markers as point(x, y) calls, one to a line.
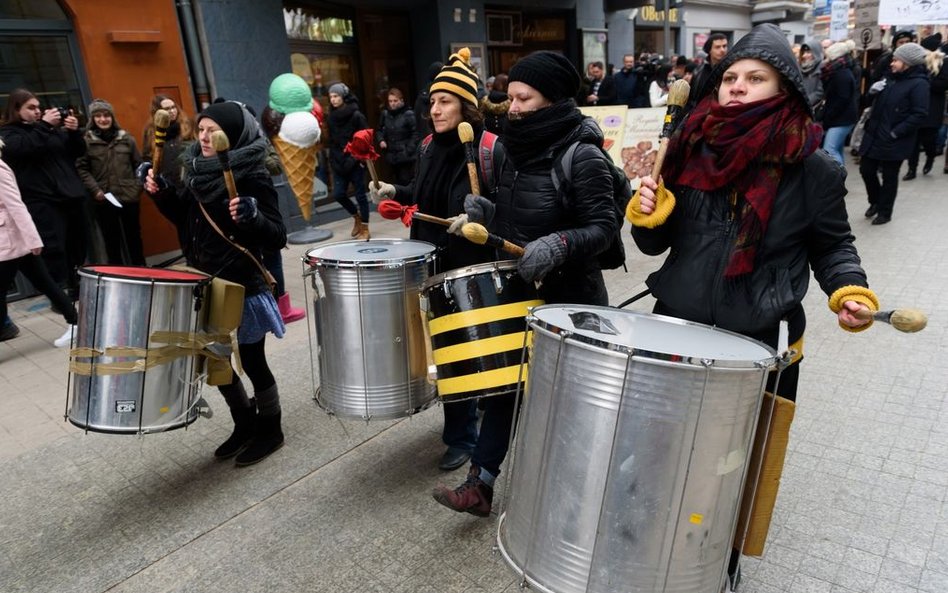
point(271, 281)
point(179, 345)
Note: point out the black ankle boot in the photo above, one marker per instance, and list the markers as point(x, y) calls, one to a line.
point(909, 176)
point(929, 162)
point(267, 438)
point(244, 421)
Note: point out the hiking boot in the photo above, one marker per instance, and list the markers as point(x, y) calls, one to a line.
point(473, 496)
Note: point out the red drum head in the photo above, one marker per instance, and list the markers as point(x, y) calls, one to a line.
point(143, 273)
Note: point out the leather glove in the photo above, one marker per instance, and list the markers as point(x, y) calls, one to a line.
point(479, 209)
point(456, 223)
point(141, 171)
point(541, 256)
point(381, 191)
point(877, 87)
point(245, 211)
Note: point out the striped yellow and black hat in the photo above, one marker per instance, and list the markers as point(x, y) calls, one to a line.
point(457, 77)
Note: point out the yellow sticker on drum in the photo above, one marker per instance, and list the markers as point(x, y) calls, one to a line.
point(164, 409)
point(696, 518)
point(473, 317)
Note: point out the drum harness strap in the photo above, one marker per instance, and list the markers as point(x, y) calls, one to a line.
point(271, 281)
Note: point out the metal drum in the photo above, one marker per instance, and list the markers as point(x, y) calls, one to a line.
point(370, 339)
point(476, 321)
point(631, 454)
point(123, 379)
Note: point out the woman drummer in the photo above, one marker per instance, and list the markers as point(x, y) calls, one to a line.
point(439, 188)
point(253, 221)
point(755, 205)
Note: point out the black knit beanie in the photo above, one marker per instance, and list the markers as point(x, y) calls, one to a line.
point(932, 42)
point(548, 72)
point(229, 116)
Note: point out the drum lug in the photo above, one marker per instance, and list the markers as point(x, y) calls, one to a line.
point(498, 282)
point(446, 289)
point(204, 409)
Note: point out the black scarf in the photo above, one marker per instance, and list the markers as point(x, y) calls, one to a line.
point(174, 130)
point(534, 135)
point(107, 135)
point(205, 175)
point(341, 115)
point(446, 154)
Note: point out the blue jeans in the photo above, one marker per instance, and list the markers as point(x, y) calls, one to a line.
point(834, 140)
point(340, 188)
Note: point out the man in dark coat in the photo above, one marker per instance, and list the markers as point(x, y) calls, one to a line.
point(716, 48)
point(900, 108)
point(626, 81)
point(602, 87)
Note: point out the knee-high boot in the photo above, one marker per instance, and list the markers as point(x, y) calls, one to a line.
point(268, 432)
point(244, 413)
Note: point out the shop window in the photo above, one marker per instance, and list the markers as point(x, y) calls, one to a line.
point(42, 64)
point(31, 9)
point(306, 24)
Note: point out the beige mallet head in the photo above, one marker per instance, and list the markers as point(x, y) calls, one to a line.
point(465, 132)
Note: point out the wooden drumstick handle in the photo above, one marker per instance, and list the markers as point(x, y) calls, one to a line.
point(372, 173)
point(466, 134)
point(222, 145)
point(677, 98)
point(430, 218)
point(161, 120)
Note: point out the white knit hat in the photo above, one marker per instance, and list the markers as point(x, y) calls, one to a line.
point(837, 50)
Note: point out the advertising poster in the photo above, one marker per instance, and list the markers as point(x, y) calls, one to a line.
point(611, 120)
point(640, 142)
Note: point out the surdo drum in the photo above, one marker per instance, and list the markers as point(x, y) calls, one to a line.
point(370, 339)
point(476, 321)
point(127, 375)
point(631, 452)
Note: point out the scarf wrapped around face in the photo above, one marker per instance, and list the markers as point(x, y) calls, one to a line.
point(744, 148)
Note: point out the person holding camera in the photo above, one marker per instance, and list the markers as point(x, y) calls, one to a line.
point(42, 146)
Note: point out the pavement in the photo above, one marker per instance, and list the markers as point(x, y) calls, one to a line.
point(346, 506)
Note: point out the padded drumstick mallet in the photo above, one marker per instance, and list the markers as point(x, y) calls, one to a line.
point(161, 120)
point(222, 145)
point(476, 233)
point(466, 134)
point(677, 98)
point(392, 210)
point(904, 320)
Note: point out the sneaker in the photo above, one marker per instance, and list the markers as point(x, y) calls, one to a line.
point(473, 496)
point(9, 331)
point(65, 340)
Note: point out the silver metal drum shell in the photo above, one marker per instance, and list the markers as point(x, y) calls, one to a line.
point(371, 346)
point(115, 312)
point(627, 470)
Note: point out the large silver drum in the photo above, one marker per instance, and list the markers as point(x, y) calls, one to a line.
point(631, 454)
point(125, 378)
point(369, 333)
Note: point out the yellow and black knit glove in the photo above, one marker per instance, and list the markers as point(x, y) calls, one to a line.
point(664, 204)
point(860, 294)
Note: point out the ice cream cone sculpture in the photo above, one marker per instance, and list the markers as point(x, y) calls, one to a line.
point(361, 148)
point(297, 141)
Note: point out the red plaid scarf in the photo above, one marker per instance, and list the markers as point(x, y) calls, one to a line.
point(743, 147)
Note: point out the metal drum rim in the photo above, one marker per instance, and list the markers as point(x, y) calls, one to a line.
point(391, 262)
point(86, 272)
point(506, 265)
point(537, 324)
point(520, 570)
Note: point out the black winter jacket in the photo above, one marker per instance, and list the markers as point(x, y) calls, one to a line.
point(453, 251)
point(528, 207)
point(937, 86)
point(841, 95)
point(808, 228)
point(397, 129)
point(43, 158)
point(343, 123)
point(897, 114)
point(208, 251)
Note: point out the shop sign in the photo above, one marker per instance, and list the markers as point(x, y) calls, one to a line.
point(649, 16)
point(544, 30)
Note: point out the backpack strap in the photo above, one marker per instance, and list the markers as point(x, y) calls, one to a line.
point(562, 170)
point(486, 161)
point(425, 142)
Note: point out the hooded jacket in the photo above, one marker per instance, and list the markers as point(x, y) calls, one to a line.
point(343, 123)
point(529, 207)
point(110, 166)
point(808, 228)
point(897, 114)
point(811, 73)
point(397, 129)
point(842, 93)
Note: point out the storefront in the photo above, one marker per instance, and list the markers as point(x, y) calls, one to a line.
point(650, 30)
point(512, 34)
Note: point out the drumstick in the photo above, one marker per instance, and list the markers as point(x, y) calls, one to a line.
point(466, 133)
point(904, 320)
point(476, 233)
point(677, 97)
point(161, 120)
point(222, 145)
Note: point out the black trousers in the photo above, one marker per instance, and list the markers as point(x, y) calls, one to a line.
point(926, 142)
point(881, 195)
point(63, 226)
point(35, 271)
point(121, 232)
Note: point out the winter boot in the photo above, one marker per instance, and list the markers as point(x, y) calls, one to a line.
point(910, 175)
point(929, 163)
point(357, 225)
point(363, 234)
point(473, 496)
point(268, 435)
point(288, 312)
point(244, 421)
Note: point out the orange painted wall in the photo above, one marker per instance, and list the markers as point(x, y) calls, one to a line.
point(127, 74)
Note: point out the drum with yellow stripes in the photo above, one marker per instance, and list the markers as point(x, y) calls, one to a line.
point(476, 320)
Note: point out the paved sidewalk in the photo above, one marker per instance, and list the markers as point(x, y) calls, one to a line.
point(345, 505)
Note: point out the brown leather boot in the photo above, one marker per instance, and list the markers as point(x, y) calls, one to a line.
point(357, 225)
point(473, 496)
point(363, 234)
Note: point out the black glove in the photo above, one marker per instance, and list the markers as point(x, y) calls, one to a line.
point(141, 172)
point(541, 256)
point(479, 209)
point(246, 210)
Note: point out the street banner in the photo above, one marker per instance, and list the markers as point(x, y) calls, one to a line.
point(913, 12)
point(640, 142)
point(839, 20)
point(866, 33)
point(611, 121)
